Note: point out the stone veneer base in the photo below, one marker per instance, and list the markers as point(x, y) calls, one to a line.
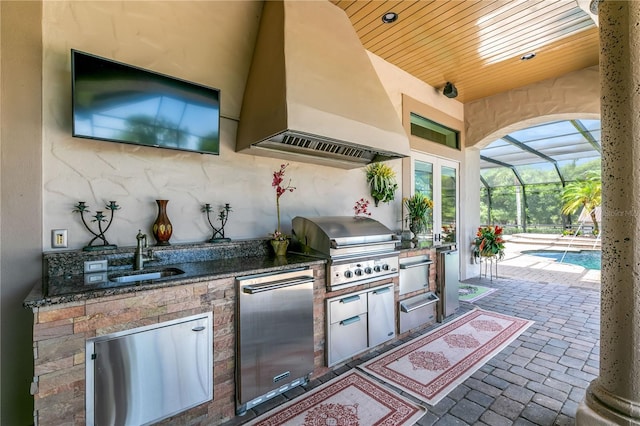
point(60, 332)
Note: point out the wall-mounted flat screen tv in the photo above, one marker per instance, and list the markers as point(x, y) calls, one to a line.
point(116, 102)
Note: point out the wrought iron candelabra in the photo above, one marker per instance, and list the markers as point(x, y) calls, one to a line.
point(100, 219)
point(223, 215)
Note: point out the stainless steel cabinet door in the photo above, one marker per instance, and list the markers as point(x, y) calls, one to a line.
point(147, 374)
point(382, 315)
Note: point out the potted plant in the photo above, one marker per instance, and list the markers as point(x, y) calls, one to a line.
point(418, 206)
point(280, 241)
point(382, 182)
point(489, 242)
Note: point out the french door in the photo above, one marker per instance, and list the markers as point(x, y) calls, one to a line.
point(437, 178)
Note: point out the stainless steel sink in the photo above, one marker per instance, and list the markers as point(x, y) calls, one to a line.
point(131, 277)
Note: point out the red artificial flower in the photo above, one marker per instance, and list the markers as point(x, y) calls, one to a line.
point(278, 178)
point(361, 207)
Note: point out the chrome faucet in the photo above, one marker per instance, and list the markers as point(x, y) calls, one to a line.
point(139, 257)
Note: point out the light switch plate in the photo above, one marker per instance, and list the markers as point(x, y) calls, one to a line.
point(58, 238)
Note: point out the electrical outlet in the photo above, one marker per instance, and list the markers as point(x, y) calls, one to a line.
point(91, 266)
point(58, 238)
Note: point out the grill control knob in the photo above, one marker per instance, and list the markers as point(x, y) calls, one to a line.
point(385, 267)
point(348, 274)
point(377, 268)
point(358, 272)
point(368, 270)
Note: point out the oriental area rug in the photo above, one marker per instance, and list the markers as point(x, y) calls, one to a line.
point(351, 399)
point(432, 365)
point(471, 293)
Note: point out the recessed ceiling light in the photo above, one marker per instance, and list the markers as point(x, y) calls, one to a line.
point(528, 56)
point(389, 17)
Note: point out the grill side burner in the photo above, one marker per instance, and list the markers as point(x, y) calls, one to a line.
point(359, 250)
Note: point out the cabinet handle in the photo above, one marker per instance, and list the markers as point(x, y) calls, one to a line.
point(275, 285)
point(408, 308)
point(350, 299)
point(349, 321)
point(198, 328)
point(415, 265)
point(382, 290)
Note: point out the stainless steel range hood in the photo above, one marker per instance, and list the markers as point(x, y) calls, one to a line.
point(312, 94)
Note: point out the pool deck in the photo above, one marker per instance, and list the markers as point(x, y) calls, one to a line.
point(525, 267)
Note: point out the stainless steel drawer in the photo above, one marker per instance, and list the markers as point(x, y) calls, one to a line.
point(414, 273)
point(348, 306)
point(348, 337)
point(418, 311)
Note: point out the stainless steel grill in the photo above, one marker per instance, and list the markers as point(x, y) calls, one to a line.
point(358, 249)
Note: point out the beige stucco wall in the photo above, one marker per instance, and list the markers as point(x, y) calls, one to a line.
point(574, 95)
point(398, 82)
point(20, 200)
point(210, 43)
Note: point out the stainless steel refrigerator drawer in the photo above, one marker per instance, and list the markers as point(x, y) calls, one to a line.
point(348, 337)
point(414, 273)
point(274, 335)
point(347, 306)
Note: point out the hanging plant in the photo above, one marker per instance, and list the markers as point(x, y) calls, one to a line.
point(382, 182)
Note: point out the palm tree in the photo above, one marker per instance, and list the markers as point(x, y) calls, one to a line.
point(584, 193)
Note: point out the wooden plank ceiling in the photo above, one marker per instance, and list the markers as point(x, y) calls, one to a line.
point(477, 45)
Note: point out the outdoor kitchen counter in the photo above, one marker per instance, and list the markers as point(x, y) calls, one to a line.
point(71, 287)
point(63, 322)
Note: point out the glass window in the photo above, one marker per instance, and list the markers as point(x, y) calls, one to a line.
point(435, 132)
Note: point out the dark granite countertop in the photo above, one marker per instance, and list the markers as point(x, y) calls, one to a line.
point(71, 287)
point(417, 245)
point(64, 282)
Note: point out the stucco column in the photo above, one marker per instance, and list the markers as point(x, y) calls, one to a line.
point(614, 397)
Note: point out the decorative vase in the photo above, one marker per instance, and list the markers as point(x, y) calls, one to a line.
point(280, 247)
point(417, 226)
point(162, 228)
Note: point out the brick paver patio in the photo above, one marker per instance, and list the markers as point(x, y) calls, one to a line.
point(541, 377)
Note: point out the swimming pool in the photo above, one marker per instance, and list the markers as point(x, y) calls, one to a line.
point(589, 259)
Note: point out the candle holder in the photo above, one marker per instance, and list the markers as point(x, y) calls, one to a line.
point(223, 215)
point(99, 218)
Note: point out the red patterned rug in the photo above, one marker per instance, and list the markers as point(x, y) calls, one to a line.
point(432, 365)
point(351, 399)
